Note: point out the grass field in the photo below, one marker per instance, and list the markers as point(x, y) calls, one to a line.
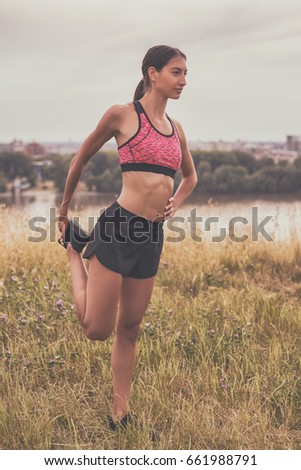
point(218, 358)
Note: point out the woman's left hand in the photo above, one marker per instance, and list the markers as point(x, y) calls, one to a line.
point(170, 209)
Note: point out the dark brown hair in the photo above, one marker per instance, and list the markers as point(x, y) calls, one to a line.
point(157, 57)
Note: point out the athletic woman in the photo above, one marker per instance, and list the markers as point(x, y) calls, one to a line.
point(125, 245)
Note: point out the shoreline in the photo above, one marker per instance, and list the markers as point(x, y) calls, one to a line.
point(192, 198)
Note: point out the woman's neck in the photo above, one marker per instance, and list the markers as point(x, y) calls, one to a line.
point(154, 105)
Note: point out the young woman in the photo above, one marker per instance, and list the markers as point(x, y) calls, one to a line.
point(126, 243)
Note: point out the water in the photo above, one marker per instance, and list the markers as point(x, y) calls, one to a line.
point(285, 212)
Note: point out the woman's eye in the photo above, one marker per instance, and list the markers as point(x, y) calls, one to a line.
point(176, 73)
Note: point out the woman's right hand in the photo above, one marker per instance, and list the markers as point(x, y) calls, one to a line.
point(63, 224)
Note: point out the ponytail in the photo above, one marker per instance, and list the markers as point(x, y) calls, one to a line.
point(139, 92)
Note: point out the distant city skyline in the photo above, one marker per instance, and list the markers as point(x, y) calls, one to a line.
point(63, 63)
point(277, 151)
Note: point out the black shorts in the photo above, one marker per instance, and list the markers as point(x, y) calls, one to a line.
point(126, 242)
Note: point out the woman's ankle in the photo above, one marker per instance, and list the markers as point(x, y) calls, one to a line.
point(117, 415)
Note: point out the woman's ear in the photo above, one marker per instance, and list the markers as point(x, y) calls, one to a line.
point(152, 73)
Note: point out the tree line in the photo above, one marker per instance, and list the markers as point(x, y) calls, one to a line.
point(218, 172)
point(239, 172)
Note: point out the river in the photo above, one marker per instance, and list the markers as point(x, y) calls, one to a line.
point(283, 214)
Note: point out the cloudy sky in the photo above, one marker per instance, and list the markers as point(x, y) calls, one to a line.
point(64, 62)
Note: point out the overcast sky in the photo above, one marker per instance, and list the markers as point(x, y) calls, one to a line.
point(64, 62)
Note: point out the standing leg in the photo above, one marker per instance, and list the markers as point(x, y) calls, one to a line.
point(134, 298)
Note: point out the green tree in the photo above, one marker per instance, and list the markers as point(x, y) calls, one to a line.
point(3, 181)
point(16, 164)
point(59, 170)
point(247, 160)
point(297, 162)
point(229, 179)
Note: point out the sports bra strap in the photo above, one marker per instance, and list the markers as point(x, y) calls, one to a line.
point(140, 110)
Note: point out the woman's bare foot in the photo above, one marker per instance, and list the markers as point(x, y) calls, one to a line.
point(71, 251)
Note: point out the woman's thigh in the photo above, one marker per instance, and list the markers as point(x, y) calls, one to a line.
point(103, 292)
point(135, 295)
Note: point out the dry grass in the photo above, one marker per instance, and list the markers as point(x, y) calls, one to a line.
point(218, 360)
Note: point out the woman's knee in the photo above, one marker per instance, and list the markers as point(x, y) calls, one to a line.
point(94, 333)
point(130, 333)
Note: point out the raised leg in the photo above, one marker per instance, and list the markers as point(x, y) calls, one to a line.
point(95, 294)
point(79, 276)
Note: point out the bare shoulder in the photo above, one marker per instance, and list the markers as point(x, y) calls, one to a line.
point(120, 109)
point(116, 111)
point(114, 116)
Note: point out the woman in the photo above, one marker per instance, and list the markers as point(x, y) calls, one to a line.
point(123, 262)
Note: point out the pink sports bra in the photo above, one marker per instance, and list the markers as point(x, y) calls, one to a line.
point(149, 149)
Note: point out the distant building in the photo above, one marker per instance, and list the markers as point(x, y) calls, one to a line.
point(293, 143)
point(12, 147)
point(34, 149)
point(274, 150)
point(70, 148)
point(5, 148)
point(17, 146)
point(276, 155)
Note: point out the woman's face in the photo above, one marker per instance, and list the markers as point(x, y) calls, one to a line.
point(172, 78)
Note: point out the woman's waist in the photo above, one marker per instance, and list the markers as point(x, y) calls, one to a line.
point(146, 206)
point(142, 208)
point(146, 196)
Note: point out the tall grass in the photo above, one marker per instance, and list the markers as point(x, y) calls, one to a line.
point(218, 357)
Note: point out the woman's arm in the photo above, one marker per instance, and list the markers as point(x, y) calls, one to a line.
point(189, 176)
point(107, 128)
